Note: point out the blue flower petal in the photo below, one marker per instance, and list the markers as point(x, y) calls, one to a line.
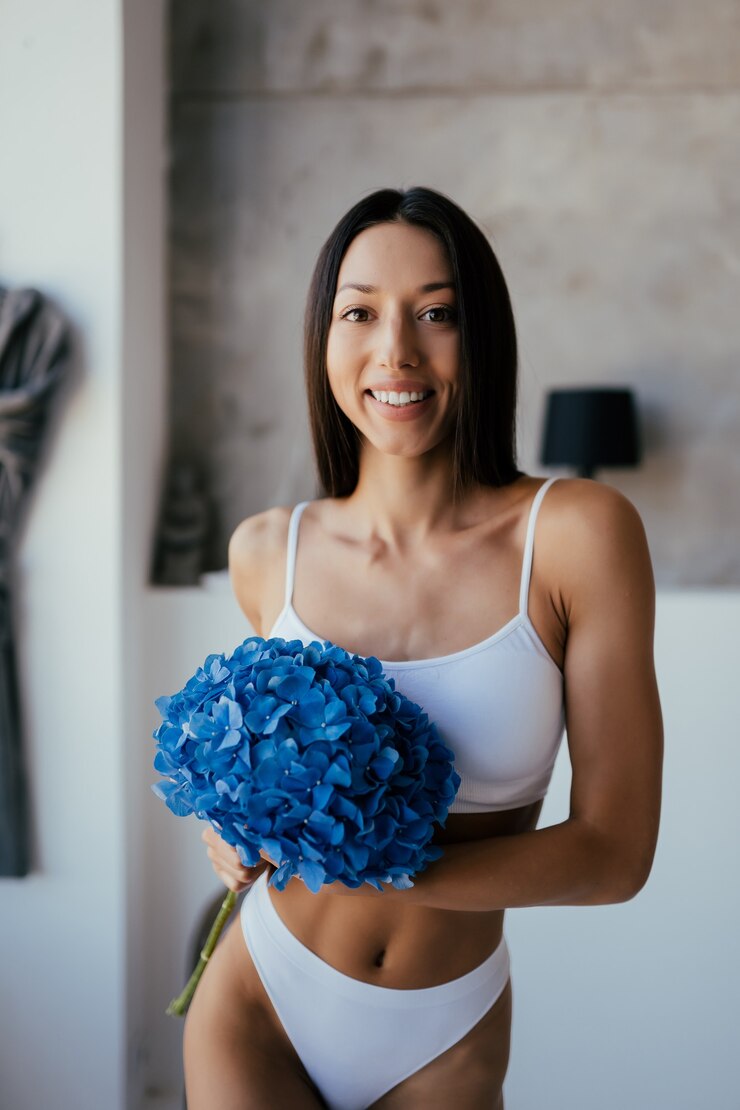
point(229, 740)
point(322, 795)
point(402, 882)
point(313, 874)
point(338, 773)
point(293, 688)
point(176, 796)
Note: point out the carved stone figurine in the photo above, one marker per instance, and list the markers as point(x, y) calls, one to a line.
point(183, 529)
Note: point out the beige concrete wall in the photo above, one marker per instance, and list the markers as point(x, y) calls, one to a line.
point(595, 144)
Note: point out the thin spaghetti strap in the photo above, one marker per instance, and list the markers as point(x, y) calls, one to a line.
point(295, 517)
point(529, 545)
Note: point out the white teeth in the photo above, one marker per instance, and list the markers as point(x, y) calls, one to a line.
point(395, 398)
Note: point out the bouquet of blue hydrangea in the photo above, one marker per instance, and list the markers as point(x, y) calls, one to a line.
point(309, 753)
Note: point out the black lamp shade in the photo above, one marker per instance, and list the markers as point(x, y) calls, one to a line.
point(590, 428)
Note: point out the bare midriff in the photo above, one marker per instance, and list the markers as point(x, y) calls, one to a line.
point(405, 947)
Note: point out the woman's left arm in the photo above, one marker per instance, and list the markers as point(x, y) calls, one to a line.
point(604, 851)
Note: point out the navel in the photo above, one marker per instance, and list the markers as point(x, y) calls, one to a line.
point(380, 958)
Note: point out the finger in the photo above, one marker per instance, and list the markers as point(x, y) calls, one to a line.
point(238, 883)
point(211, 835)
point(230, 864)
point(232, 883)
point(234, 869)
point(227, 851)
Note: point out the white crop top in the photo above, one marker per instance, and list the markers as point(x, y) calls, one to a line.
point(498, 704)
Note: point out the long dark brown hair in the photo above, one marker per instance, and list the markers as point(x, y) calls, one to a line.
point(484, 437)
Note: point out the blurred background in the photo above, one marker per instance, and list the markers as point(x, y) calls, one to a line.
point(169, 175)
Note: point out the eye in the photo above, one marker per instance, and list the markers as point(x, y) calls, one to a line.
point(451, 314)
point(347, 313)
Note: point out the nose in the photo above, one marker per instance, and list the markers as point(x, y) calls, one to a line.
point(397, 346)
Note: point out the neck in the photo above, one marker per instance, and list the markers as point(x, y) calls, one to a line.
point(402, 501)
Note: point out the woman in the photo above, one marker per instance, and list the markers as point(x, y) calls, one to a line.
point(421, 548)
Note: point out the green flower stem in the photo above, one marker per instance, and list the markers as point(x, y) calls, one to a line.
point(178, 1006)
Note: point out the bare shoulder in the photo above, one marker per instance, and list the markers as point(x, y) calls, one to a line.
point(598, 543)
point(254, 532)
point(588, 502)
point(255, 545)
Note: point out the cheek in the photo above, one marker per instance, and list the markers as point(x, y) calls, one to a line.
point(333, 356)
point(340, 350)
point(331, 360)
point(342, 363)
point(336, 380)
point(450, 350)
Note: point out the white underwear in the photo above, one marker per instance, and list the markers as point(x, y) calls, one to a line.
point(358, 1040)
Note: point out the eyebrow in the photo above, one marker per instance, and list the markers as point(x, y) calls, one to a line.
point(430, 287)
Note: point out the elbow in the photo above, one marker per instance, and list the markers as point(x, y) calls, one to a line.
point(639, 880)
point(617, 870)
point(633, 880)
point(628, 889)
point(621, 874)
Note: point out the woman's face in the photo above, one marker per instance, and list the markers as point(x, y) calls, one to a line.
point(397, 334)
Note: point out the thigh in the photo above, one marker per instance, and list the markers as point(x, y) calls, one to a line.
point(469, 1075)
point(236, 1054)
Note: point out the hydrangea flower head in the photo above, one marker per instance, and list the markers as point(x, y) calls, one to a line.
point(311, 753)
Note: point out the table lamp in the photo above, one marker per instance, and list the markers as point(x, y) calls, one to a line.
point(590, 428)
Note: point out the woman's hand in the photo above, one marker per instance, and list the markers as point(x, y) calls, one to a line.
point(227, 865)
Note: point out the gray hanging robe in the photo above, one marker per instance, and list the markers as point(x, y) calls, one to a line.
point(34, 341)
